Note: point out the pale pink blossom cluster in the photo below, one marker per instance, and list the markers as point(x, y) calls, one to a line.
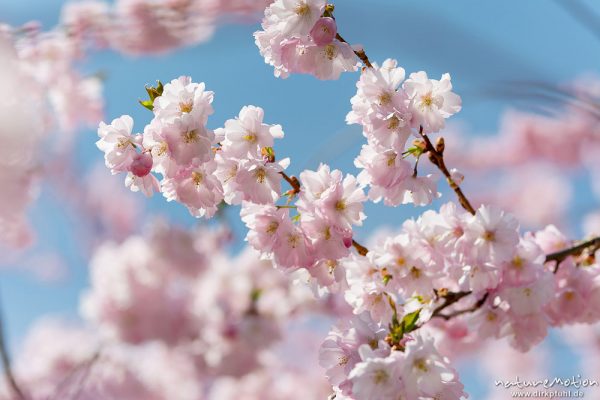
point(43, 94)
point(200, 168)
point(300, 36)
point(390, 110)
point(152, 26)
point(361, 365)
point(329, 205)
point(444, 283)
point(171, 315)
point(60, 99)
point(489, 280)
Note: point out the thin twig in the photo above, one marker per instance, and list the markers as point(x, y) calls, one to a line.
point(562, 255)
point(474, 308)
point(436, 156)
point(8, 373)
point(362, 250)
point(85, 366)
point(359, 53)
point(293, 181)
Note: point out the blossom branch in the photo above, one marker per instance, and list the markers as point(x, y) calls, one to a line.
point(560, 256)
point(436, 156)
point(359, 53)
point(474, 308)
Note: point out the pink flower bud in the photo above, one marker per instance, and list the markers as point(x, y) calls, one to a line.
point(324, 31)
point(348, 241)
point(141, 164)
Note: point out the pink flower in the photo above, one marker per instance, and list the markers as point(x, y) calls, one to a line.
point(117, 143)
point(292, 248)
point(259, 182)
point(418, 190)
point(480, 275)
point(196, 187)
point(264, 223)
point(529, 299)
point(494, 234)
point(382, 169)
point(183, 97)
point(187, 140)
point(428, 374)
point(293, 17)
point(328, 240)
point(378, 377)
point(328, 194)
point(147, 184)
point(432, 101)
point(248, 134)
point(324, 31)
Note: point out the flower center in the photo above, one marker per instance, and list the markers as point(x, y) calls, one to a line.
point(330, 51)
point(272, 227)
point(421, 365)
point(162, 149)
point(186, 107)
point(293, 240)
point(190, 136)
point(340, 205)
point(489, 236)
point(391, 160)
point(427, 100)
point(123, 142)
point(260, 175)
point(415, 272)
point(380, 376)
point(302, 9)
point(385, 98)
point(393, 123)
point(197, 177)
point(250, 137)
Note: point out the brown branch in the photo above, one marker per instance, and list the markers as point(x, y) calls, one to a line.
point(436, 156)
point(474, 308)
point(359, 53)
point(560, 256)
point(6, 365)
point(362, 250)
point(293, 181)
point(449, 299)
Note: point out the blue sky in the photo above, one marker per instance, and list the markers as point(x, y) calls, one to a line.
point(482, 44)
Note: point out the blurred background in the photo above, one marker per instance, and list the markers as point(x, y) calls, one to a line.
point(507, 59)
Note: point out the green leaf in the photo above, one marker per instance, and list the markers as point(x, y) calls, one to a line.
point(387, 279)
point(153, 93)
point(409, 322)
point(255, 294)
point(149, 104)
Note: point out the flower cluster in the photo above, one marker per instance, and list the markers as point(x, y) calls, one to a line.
point(329, 204)
point(199, 167)
point(447, 280)
point(361, 365)
point(300, 36)
point(390, 109)
point(37, 71)
point(151, 26)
